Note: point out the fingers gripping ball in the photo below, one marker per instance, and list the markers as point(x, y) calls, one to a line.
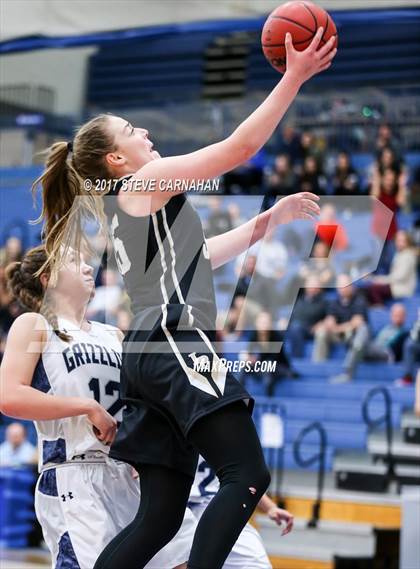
point(301, 20)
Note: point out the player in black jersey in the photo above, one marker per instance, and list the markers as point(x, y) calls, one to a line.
point(173, 411)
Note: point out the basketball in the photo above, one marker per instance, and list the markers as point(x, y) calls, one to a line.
point(301, 20)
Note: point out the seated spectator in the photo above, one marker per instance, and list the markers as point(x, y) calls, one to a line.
point(290, 144)
point(263, 346)
point(282, 180)
point(272, 257)
point(402, 279)
point(312, 147)
point(388, 344)
point(104, 305)
point(346, 323)
point(386, 139)
point(16, 450)
point(235, 214)
point(312, 178)
point(411, 354)
point(247, 177)
point(330, 230)
point(309, 310)
point(219, 220)
point(390, 191)
point(345, 180)
point(320, 265)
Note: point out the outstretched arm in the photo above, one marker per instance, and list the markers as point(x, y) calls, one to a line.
point(225, 247)
point(216, 159)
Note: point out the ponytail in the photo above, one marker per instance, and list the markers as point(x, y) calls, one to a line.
point(27, 288)
point(63, 181)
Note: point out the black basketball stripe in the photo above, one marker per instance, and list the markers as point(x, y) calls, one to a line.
point(293, 22)
point(284, 45)
point(325, 28)
point(312, 14)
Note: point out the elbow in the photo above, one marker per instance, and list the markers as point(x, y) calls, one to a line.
point(241, 150)
point(9, 407)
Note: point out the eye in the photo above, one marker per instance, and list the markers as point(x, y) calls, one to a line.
point(132, 130)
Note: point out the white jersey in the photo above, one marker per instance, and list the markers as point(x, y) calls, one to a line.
point(205, 485)
point(87, 366)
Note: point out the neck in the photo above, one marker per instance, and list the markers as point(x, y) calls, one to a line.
point(74, 312)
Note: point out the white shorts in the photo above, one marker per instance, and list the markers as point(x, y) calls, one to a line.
point(81, 507)
point(248, 551)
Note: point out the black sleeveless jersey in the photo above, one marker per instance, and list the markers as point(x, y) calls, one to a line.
point(164, 260)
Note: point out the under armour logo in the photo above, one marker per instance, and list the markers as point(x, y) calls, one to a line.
point(69, 496)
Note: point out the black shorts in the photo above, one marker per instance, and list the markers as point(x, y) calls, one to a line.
point(165, 395)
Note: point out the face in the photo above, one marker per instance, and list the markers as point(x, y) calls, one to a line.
point(401, 241)
point(310, 164)
point(75, 282)
point(344, 287)
point(250, 264)
point(389, 181)
point(15, 434)
point(282, 163)
point(306, 139)
point(320, 250)
point(387, 157)
point(327, 213)
point(263, 321)
point(342, 160)
point(134, 149)
point(398, 314)
point(312, 286)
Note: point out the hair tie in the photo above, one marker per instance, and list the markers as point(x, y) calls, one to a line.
point(70, 147)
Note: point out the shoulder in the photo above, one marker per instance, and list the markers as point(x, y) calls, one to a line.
point(112, 330)
point(30, 324)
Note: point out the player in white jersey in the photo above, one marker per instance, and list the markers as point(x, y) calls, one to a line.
point(63, 372)
point(249, 551)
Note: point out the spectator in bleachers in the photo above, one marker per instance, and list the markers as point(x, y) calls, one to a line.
point(345, 181)
point(105, 303)
point(311, 147)
point(319, 265)
point(411, 354)
point(235, 214)
point(387, 160)
point(12, 251)
point(387, 139)
point(388, 344)
point(390, 190)
point(310, 309)
point(219, 220)
point(282, 180)
point(263, 346)
point(401, 282)
point(312, 178)
point(290, 144)
point(272, 257)
point(346, 323)
point(249, 298)
point(330, 230)
point(415, 191)
point(16, 450)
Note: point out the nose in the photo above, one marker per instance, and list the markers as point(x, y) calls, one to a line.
point(145, 132)
point(88, 270)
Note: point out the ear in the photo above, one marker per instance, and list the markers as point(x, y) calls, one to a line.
point(44, 278)
point(115, 159)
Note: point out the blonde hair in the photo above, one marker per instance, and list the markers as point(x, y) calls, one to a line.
point(26, 286)
point(63, 180)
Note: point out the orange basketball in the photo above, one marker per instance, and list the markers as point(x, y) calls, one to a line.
point(301, 20)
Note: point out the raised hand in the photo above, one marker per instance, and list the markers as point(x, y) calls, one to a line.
point(296, 206)
point(304, 64)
